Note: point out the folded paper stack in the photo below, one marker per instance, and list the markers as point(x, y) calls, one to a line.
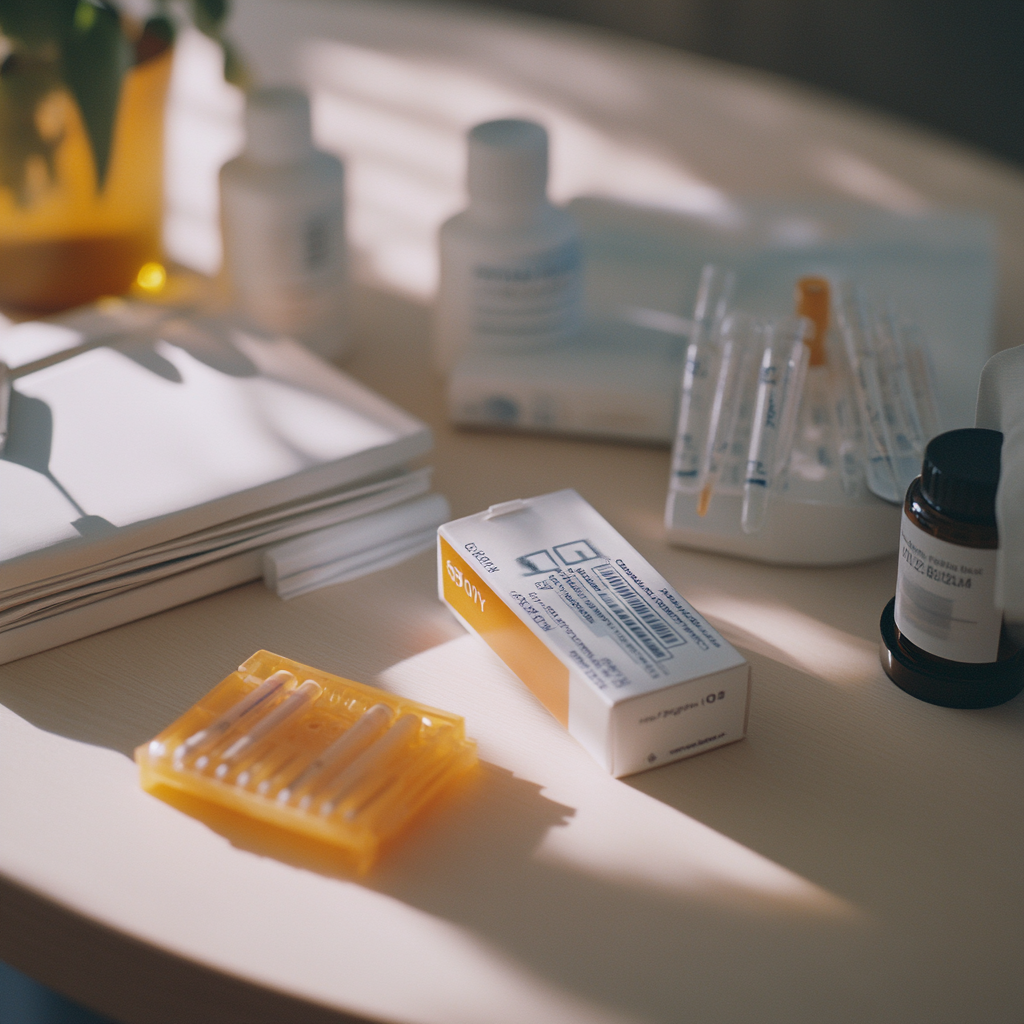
point(151, 458)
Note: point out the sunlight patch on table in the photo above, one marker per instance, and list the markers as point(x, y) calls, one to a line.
point(615, 834)
point(804, 642)
point(400, 121)
point(863, 180)
point(687, 859)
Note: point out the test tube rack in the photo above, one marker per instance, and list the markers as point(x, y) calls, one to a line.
point(797, 453)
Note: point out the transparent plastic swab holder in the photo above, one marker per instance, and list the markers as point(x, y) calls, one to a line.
point(798, 437)
point(317, 756)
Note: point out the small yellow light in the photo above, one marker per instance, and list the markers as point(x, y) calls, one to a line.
point(152, 277)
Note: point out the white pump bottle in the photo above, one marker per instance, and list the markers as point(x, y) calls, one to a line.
point(282, 218)
point(510, 263)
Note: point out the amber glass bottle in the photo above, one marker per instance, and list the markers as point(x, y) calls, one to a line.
point(943, 639)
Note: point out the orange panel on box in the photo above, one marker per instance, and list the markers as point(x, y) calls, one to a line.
point(505, 633)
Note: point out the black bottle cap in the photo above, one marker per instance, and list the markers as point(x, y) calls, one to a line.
point(960, 473)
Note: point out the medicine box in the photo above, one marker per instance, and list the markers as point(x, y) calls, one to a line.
point(604, 641)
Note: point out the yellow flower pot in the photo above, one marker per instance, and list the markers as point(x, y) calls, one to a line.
point(65, 241)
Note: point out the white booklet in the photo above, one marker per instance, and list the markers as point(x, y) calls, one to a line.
point(173, 443)
point(249, 533)
point(169, 431)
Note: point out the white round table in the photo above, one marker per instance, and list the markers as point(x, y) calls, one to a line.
point(856, 858)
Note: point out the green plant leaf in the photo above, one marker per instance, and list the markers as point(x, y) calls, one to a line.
point(35, 23)
point(83, 43)
point(95, 56)
point(236, 71)
point(209, 16)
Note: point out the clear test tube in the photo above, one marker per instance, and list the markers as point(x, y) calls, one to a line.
point(922, 379)
point(296, 701)
point(905, 430)
point(815, 444)
point(898, 375)
point(714, 293)
point(915, 381)
point(792, 334)
point(849, 437)
point(780, 383)
point(734, 350)
point(303, 788)
point(857, 330)
point(222, 724)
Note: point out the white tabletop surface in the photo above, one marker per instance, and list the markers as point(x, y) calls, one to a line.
point(856, 858)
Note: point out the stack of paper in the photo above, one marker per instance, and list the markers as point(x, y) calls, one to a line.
point(353, 549)
point(158, 465)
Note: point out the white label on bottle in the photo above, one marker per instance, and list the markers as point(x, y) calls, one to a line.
point(286, 256)
point(531, 298)
point(945, 597)
point(289, 246)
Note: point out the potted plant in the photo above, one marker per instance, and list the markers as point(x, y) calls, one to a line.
point(82, 91)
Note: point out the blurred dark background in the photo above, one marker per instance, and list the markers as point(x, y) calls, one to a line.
point(956, 66)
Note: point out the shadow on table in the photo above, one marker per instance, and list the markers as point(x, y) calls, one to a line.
point(473, 860)
point(839, 792)
point(489, 801)
point(611, 940)
point(838, 786)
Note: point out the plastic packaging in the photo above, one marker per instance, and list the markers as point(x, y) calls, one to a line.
point(510, 262)
point(282, 218)
point(320, 757)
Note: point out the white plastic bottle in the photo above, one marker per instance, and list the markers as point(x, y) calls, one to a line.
point(283, 224)
point(510, 262)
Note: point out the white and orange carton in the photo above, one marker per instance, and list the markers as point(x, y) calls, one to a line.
point(603, 640)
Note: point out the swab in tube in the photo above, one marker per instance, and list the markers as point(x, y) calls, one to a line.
point(780, 383)
point(298, 700)
point(813, 301)
point(793, 387)
point(858, 338)
point(898, 403)
point(901, 385)
point(922, 379)
point(369, 764)
point(734, 342)
point(713, 295)
point(815, 444)
point(342, 752)
point(848, 436)
point(270, 764)
point(424, 772)
point(256, 698)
